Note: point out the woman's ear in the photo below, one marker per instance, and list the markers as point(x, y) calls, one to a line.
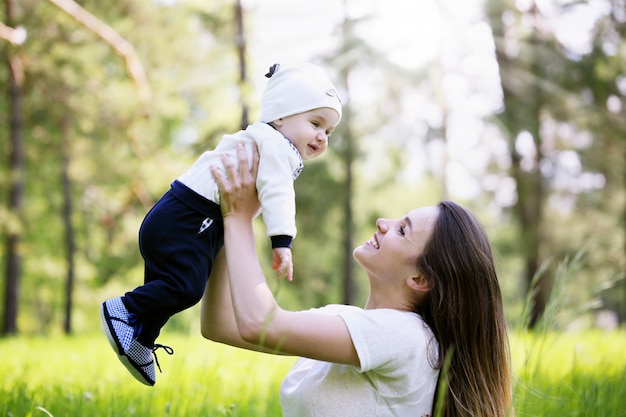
point(418, 283)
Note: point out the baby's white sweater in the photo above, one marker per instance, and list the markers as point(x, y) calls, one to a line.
point(279, 165)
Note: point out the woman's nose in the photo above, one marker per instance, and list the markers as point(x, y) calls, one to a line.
point(382, 225)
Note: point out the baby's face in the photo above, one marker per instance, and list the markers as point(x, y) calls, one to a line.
point(309, 131)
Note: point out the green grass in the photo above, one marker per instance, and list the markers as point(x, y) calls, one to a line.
point(570, 374)
point(66, 377)
point(557, 374)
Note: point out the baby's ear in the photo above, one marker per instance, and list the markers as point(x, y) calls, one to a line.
point(418, 283)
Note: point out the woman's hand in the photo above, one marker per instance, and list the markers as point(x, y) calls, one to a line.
point(238, 189)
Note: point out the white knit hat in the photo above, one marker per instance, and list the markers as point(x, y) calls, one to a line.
point(297, 88)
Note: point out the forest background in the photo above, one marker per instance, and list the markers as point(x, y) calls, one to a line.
point(515, 109)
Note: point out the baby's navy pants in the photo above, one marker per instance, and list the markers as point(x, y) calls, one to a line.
point(179, 240)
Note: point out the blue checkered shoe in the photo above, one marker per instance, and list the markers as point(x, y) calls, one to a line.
point(121, 333)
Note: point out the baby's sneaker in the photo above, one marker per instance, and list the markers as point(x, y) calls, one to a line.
point(120, 330)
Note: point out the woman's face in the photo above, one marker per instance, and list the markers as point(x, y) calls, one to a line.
point(393, 250)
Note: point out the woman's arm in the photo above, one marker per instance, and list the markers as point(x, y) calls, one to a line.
point(259, 319)
point(217, 318)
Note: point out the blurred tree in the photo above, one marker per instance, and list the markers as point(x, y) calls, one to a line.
point(555, 119)
point(242, 57)
point(137, 73)
point(522, 53)
point(16, 177)
point(353, 53)
point(348, 151)
point(599, 75)
point(355, 59)
point(99, 153)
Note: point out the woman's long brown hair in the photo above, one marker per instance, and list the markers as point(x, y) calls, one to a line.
point(464, 310)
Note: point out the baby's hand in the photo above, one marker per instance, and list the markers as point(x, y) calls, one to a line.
point(281, 261)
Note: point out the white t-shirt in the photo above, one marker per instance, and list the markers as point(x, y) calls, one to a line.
point(279, 165)
point(395, 377)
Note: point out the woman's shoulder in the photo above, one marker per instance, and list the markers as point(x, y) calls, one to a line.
point(391, 324)
point(382, 321)
point(336, 309)
point(388, 314)
point(382, 315)
point(387, 340)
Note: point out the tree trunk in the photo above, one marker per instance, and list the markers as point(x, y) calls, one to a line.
point(241, 53)
point(16, 185)
point(533, 199)
point(349, 290)
point(70, 244)
point(622, 309)
point(348, 241)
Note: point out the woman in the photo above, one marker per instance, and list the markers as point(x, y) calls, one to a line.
point(434, 314)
